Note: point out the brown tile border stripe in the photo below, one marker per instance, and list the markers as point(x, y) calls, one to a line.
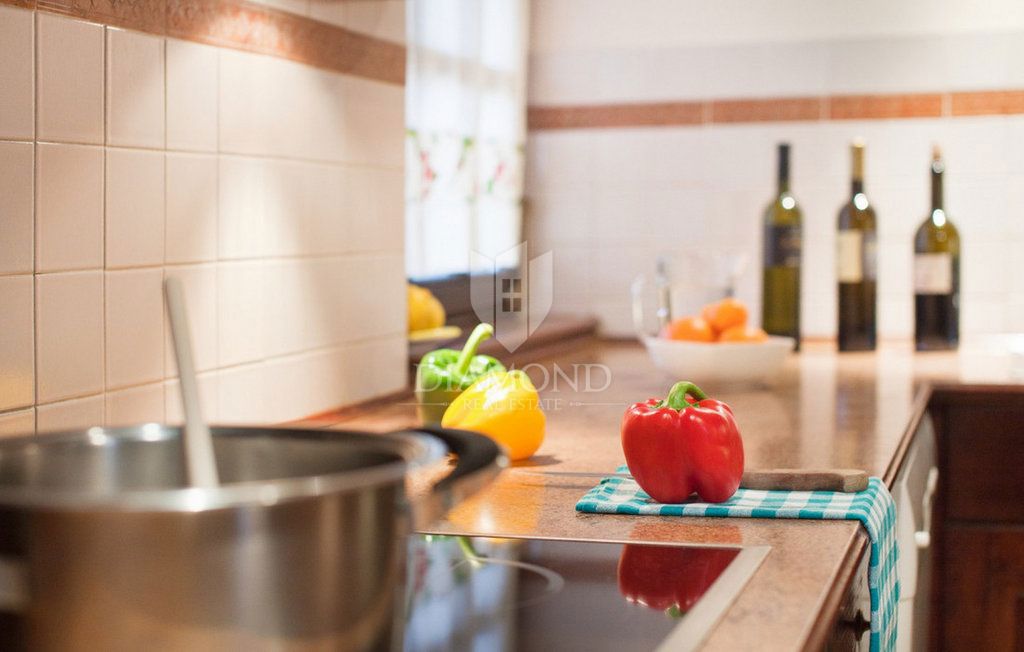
point(880, 107)
point(244, 26)
point(616, 115)
point(781, 109)
point(988, 103)
point(770, 110)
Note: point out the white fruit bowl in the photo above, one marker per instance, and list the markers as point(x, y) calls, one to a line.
point(701, 362)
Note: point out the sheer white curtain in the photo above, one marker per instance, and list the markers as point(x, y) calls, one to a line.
point(466, 127)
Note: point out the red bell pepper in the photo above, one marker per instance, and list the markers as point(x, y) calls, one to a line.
point(682, 444)
point(670, 578)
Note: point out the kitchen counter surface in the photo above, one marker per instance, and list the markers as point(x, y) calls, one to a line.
point(826, 411)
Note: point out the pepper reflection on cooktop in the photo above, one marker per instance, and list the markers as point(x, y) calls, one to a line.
point(483, 593)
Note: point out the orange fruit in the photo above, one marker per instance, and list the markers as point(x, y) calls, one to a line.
point(743, 334)
point(693, 329)
point(725, 314)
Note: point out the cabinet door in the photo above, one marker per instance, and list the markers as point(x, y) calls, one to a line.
point(910, 491)
point(983, 600)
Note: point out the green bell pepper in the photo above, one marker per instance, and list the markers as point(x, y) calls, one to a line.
point(443, 374)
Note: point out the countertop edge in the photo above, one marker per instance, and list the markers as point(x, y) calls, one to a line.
point(835, 593)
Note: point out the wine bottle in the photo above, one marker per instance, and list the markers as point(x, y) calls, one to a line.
point(937, 273)
point(856, 263)
point(782, 241)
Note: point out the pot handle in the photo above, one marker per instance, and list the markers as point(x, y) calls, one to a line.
point(476, 453)
point(480, 460)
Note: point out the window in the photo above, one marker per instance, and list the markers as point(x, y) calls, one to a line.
point(466, 127)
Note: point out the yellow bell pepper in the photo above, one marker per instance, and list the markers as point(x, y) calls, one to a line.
point(503, 405)
point(425, 311)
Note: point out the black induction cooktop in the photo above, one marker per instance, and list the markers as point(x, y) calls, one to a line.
point(493, 594)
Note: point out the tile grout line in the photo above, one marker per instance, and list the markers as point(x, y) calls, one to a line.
point(164, 317)
point(103, 274)
point(216, 234)
point(344, 165)
point(35, 221)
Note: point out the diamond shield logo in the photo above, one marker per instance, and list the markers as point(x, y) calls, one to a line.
point(514, 297)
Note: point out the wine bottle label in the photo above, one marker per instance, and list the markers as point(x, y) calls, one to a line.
point(870, 256)
point(850, 256)
point(782, 246)
point(933, 273)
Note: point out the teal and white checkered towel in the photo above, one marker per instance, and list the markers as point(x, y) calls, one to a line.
point(873, 507)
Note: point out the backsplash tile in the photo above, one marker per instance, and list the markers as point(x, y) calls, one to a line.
point(582, 185)
point(135, 208)
point(372, 368)
point(244, 394)
point(19, 422)
point(17, 359)
point(191, 208)
point(237, 172)
point(135, 89)
point(376, 218)
point(70, 415)
point(241, 312)
point(135, 405)
point(245, 195)
point(69, 207)
point(69, 335)
point(70, 77)
point(134, 327)
point(16, 219)
point(191, 96)
point(17, 74)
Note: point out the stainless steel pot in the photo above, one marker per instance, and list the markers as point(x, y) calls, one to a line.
point(103, 547)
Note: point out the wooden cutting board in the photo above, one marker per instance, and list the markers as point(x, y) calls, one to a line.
point(843, 480)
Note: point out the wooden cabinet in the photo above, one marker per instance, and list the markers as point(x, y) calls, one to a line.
point(984, 588)
point(978, 541)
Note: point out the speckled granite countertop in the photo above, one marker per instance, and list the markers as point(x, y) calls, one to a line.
point(826, 411)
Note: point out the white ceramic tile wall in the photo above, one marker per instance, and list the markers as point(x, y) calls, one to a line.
point(191, 96)
point(17, 372)
point(70, 415)
point(135, 89)
point(677, 189)
point(69, 75)
point(607, 201)
point(273, 190)
point(16, 220)
point(69, 207)
point(17, 422)
point(135, 405)
point(191, 207)
point(582, 25)
point(883, 64)
point(17, 76)
point(69, 335)
point(134, 208)
point(134, 327)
